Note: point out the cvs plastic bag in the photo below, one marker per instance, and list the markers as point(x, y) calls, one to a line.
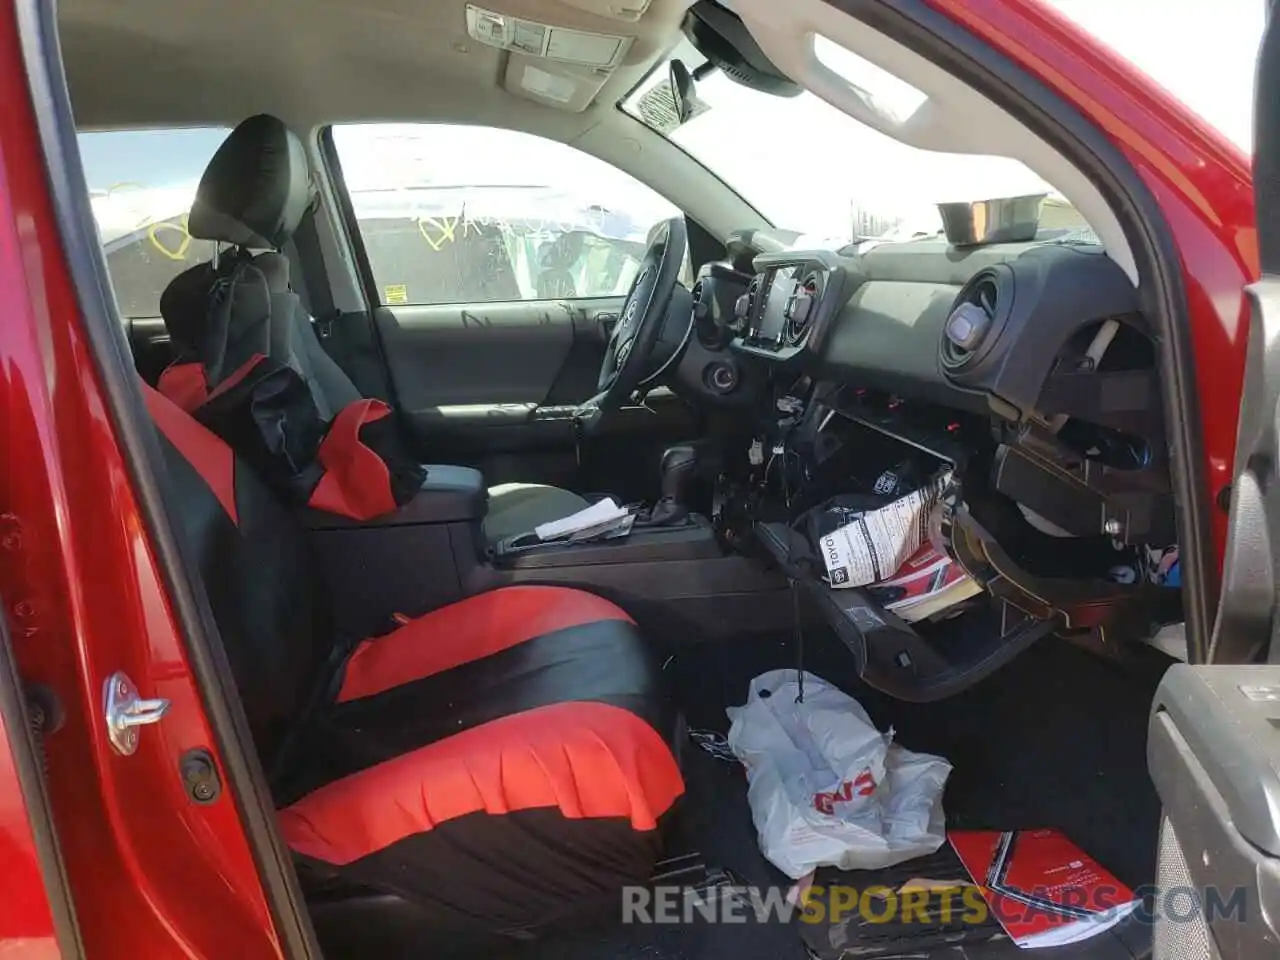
point(826, 788)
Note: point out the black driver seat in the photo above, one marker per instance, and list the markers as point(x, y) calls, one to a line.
point(253, 195)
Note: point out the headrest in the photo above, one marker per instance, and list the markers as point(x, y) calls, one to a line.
point(256, 188)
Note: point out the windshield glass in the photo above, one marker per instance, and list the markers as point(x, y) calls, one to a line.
point(809, 167)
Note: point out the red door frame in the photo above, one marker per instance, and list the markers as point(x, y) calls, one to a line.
point(154, 875)
point(1202, 182)
point(27, 928)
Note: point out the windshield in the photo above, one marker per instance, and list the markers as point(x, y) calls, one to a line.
point(809, 167)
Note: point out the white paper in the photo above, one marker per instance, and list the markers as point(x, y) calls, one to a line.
point(602, 512)
point(609, 530)
point(1078, 930)
point(877, 542)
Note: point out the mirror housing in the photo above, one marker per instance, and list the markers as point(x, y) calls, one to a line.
point(682, 95)
point(721, 37)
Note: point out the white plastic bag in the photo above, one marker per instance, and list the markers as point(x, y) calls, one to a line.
point(826, 788)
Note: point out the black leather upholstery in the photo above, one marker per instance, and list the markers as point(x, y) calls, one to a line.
point(258, 576)
point(253, 194)
point(256, 188)
point(493, 767)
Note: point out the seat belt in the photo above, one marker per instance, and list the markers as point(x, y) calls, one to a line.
point(324, 312)
point(352, 347)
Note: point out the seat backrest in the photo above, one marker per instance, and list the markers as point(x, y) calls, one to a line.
point(253, 559)
point(253, 195)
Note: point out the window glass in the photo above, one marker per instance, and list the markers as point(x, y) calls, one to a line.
point(818, 171)
point(141, 184)
point(463, 214)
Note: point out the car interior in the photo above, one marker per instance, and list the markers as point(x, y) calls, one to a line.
point(476, 736)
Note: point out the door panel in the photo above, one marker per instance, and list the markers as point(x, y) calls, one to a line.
point(1212, 750)
point(1214, 741)
point(495, 261)
point(490, 354)
point(495, 385)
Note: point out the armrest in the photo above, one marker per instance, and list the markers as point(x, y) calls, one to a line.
point(450, 494)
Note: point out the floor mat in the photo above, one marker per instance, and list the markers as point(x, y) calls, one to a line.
point(1057, 738)
point(717, 820)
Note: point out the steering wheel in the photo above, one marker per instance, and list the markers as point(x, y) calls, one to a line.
point(631, 345)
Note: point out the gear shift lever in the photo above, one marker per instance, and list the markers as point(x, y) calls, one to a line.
point(679, 466)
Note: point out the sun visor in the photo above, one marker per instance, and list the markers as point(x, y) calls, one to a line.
point(565, 86)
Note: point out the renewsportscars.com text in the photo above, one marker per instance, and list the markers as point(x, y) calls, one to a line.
point(878, 904)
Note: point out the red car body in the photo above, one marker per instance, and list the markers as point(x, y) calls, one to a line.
point(153, 875)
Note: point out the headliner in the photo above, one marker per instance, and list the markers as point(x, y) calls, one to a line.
point(312, 62)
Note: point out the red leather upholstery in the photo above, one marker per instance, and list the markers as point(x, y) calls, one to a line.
point(467, 630)
point(584, 759)
point(487, 768)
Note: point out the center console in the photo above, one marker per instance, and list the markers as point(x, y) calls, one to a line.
point(670, 570)
point(408, 561)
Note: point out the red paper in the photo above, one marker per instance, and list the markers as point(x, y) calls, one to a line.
point(1044, 890)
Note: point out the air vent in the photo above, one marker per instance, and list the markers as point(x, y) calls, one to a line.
point(745, 309)
point(704, 323)
point(800, 310)
point(975, 316)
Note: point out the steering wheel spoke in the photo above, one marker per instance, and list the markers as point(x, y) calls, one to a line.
point(631, 345)
point(623, 351)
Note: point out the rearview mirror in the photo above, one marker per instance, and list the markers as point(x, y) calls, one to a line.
point(681, 82)
point(665, 106)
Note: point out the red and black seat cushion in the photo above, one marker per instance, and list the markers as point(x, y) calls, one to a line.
point(228, 323)
point(489, 768)
point(502, 762)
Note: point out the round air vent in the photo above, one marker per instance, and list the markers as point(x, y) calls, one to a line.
point(803, 306)
point(744, 310)
point(709, 325)
point(976, 316)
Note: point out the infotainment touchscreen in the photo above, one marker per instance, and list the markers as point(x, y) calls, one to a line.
point(781, 286)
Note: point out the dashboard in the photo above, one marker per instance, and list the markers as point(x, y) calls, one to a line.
point(1028, 367)
point(989, 329)
point(1037, 352)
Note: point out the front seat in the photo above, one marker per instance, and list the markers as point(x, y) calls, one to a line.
point(253, 194)
point(496, 767)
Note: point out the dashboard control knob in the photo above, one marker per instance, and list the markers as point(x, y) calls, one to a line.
point(721, 377)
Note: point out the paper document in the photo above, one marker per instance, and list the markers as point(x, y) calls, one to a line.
point(606, 530)
point(1044, 890)
point(603, 513)
point(875, 543)
point(929, 583)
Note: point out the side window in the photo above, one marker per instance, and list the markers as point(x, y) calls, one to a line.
point(463, 214)
point(141, 184)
